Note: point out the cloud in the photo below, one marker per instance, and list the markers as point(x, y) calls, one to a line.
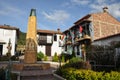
point(74, 3)
point(113, 8)
point(58, 16)
point(80, 2)
point(100, 1)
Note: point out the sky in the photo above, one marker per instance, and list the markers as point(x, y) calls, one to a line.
point(53, 14)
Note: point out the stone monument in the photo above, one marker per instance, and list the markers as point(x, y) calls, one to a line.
point(31, 39)
point(30, 59)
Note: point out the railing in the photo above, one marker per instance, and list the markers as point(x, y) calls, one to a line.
point(85, 37)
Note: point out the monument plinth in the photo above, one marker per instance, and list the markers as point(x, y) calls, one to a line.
point(31, 39)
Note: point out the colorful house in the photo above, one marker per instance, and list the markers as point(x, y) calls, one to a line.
point(91, 29)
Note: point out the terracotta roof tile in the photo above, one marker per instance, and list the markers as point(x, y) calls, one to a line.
point(48, 31)
point(8, 27)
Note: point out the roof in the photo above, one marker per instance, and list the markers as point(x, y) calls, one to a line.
point(102, 17)
point(2, 43)
point(85, 18)
point(49, 31)
point(106, 16)
point(10, 28)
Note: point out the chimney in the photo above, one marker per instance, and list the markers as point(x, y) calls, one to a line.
point(58, 30)
point(105, 9)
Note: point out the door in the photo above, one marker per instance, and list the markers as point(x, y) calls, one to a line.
point(48, 50)
point(1, 49)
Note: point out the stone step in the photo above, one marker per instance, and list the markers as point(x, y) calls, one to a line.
point(35, 72)
point(32, 68)
point(35, 66)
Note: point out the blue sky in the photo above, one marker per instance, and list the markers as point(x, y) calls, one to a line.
point(52, 14)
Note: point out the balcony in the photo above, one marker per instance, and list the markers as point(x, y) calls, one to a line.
point(84, 38)
point(44, 42)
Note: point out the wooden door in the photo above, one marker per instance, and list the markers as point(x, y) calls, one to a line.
point(48, 50)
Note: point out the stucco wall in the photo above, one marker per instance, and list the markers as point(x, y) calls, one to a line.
point(5, 35)
point(107, 41)
point(54, 47)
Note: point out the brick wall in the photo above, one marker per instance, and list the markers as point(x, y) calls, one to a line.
point(104, 25)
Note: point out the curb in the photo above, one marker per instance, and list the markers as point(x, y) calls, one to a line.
point(58, 76)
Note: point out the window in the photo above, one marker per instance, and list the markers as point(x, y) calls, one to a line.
point(55, 37)
point(1, 49)
point(49, 39)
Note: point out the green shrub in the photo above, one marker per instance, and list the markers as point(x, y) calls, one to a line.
point(80, 74)
point(45, 58)
point(40, 56)
point(77, 63)
point(73, 54)
point(75, 59)
point(67, 57)
point(55, 58)
point(62, 59)
point(6, 58)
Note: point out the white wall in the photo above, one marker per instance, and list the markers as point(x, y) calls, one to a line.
point(107, 41)
point(41, 48)
point(55, 46)
point(5, 35)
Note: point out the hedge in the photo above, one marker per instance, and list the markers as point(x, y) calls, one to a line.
point(80, 74)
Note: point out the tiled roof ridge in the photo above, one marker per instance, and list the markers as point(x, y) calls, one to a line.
point(8, 27)
point(48, 31)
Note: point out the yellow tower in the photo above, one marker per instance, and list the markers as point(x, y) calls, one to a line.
point(31, 39)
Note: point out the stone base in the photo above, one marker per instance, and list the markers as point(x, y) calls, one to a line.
point(36, 66)
point(30, 57)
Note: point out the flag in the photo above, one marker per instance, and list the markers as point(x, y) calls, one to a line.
point(63, 36)
point(80, 29)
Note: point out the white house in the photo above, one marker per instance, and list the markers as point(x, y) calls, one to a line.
point(49, 42)
point(8, 33)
